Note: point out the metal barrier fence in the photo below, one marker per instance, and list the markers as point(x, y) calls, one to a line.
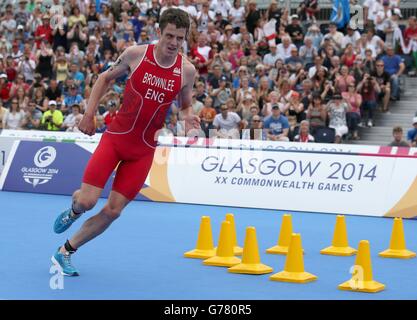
point(408, 7)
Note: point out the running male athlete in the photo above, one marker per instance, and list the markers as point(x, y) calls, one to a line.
point(157, 75)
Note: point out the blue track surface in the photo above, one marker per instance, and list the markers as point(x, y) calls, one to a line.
point(141, 255)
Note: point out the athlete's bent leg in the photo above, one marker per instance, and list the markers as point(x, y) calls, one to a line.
point(85, 198)
point(100, 222)
point(129, 179)
point(99, 168)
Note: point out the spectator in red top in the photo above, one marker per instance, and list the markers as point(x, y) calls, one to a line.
point(19, 83)
point(16, 53)
point(410, 33)
point(368, 88)
point(304, 134)
point(44, 31)
point(235, 54)
point(10, 68)
point(111, 113)
point(4, 88)
point(349, 56)
point(201, 55)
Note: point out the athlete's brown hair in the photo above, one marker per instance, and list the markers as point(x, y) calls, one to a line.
point(175, 16)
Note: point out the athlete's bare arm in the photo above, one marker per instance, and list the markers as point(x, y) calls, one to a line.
point(123, 65)
point(185, 97)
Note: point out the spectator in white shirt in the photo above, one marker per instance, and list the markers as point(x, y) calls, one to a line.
point(237, 15)
point(14, 118)
point(271, 57)
point(204, 17)
point(284, 48)
point(374, 42)
point(227, 123)
point(351, 37)
point(371, 8)
point(318, 64)
point(221, 5)
point(8, 26)
point(382, 17)
point(69, 122)
point(335, 37)
point(27, 66)
point(189, 8)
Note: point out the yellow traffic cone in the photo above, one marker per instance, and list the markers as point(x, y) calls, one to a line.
point(205, 248)
point(251, 262)
point(284, 236)
point(294, 264)
point(362, 279)
point(236, 249)
point(340, 245)
point(397, 247)
point(224, 254)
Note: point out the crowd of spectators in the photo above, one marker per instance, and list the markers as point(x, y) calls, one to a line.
point(305, 81)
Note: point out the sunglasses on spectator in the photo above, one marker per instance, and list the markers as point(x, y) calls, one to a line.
point(379, 65)
point(256, 120)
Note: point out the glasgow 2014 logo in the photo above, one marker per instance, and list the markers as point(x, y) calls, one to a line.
point(40, 174)
point(44, 157)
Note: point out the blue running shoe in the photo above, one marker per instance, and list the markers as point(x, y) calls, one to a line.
point(64, 221)
point(63, 260)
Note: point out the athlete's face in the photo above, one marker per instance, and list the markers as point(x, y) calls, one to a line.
point(171, 39)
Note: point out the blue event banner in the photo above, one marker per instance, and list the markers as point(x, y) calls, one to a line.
point(49, 167)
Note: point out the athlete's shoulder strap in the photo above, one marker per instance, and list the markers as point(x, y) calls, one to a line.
point(145, 54)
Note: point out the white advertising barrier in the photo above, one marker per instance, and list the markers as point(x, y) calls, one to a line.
point(169, 140)
point(8, 136)
point(39, 135)
point(290, 146)
point(312, 181)
point(5, 147)
point(298, 181)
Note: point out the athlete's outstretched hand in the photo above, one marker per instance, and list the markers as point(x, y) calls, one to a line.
point(87, 125)
point(192, 122)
